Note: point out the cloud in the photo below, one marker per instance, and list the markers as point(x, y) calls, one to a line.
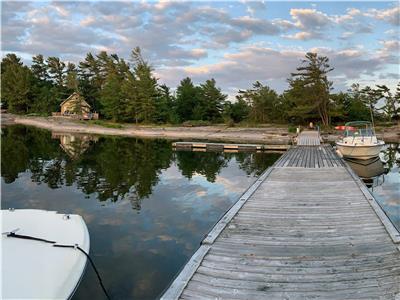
point(240, 69)
point(351, 13)
point(235, 43)
point(390, 15)
point(390, 52)
point(256, 26)
point(303, 35)
point(310, 19)
point(255, 6)
point(311, 22)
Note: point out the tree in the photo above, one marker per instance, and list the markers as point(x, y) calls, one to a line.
point(44, 92)
point(211, 101)
point(186, 99)
point(146, 86)
point(71, 80)
point(237, 111)
point(110, 97)
point(57, 70)
point(310, 88)
point(391, 107)
point(397, 102)
point(129, 98)
point(16, 84)
point(39, 68)
point(165, 110)
point(263, 103)
point(90, 81)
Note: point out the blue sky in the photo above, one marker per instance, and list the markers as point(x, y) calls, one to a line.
point(235, 42)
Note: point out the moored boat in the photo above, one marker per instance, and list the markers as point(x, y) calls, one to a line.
point(40, 257)
point(359, 141)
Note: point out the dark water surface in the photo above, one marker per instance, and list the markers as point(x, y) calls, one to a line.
point(146, 207)
point(382, 177)
point(386, 187)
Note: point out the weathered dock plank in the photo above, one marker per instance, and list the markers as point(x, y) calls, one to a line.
point(227, 147)
point(309, 138)
point(307, 229)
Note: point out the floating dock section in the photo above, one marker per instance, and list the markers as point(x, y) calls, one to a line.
point(308, 228)
point(201, 146)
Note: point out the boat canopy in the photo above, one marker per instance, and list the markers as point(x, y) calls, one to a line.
point(358, 123)
point(359, 128)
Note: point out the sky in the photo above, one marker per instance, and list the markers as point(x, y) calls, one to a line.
point(234, 42)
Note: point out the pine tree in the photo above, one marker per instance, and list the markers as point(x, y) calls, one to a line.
point(211, 101)
point(391, 107)
point(110, 98)
point(310, 88)
point(71, 79)
point(129, 98)
point(39, 67)
point(165, 112)
point(44, 93)
point(187, 96)
point(263, 103)
point(237, 111)
point(57, 70)
point(16, 84)
point(146, 87)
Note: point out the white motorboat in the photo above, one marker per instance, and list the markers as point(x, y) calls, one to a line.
point(359, 141)
point(40, 254)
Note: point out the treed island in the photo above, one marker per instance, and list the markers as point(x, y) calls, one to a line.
point(128, 91)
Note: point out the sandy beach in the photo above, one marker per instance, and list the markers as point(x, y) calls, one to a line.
point(274, 135)
point(264, 135)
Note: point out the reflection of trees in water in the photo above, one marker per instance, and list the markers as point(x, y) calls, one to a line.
point(208, 164)
point(113, 168)
point(25, 148)
point(256, 163)
point(391, 155)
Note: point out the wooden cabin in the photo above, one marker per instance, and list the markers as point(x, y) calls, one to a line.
point(76, 106)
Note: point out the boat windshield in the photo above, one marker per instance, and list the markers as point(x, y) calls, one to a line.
point(355, 129)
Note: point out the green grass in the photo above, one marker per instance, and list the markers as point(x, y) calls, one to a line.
point(104, 124)
point(292, 129)
point(196, 123)
point(37, 115)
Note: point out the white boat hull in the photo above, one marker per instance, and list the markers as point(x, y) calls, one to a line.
point(359, 151)
point(366, 168)
point(35, 269)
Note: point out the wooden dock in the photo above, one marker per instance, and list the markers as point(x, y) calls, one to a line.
point(201, 146)
point(308, 228)
point(309, 138)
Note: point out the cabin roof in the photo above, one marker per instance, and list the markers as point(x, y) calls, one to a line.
point(71, 96)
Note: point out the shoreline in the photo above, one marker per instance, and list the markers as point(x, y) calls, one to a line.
point(273, 135)
point(220, 133)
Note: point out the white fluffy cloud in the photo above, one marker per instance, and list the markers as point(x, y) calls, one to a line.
point(390, 15)
point(202, 39)
point(240, 69)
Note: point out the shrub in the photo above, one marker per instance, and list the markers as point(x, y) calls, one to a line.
point(194, 123)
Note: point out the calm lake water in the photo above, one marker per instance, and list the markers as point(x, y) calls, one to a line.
point(386, 187)
point(146, 207)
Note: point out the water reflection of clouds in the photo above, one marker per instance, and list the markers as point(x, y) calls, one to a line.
point(388, 194)
point(166, 203)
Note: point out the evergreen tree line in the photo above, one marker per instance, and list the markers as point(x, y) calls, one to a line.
point(125, 91)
